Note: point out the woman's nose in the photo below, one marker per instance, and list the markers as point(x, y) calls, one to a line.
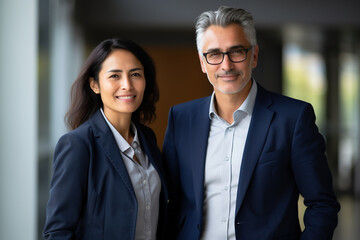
point(126, 83)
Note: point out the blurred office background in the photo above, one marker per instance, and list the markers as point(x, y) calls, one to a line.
point(308, 50)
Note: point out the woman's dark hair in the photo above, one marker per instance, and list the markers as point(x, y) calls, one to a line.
point(84, 102)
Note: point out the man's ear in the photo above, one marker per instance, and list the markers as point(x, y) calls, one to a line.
point(255, 56)
point(94, 85)
point(202, 63)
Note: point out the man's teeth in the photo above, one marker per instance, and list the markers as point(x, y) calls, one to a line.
point(125, 97)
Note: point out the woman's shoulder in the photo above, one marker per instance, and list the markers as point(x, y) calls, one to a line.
point(83, 134)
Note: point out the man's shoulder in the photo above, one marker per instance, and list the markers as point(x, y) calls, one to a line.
point(281, 99)
point(193, 104)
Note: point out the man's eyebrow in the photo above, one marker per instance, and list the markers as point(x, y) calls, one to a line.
point(236, 47)
point(231, 48)
point(213, 50)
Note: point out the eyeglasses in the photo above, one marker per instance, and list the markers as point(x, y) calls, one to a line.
point(236, 56)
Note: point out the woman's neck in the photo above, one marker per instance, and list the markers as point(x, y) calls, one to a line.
point(121, 123)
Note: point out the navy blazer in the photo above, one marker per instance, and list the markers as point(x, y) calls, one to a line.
point(284, 156)
point(91, 194)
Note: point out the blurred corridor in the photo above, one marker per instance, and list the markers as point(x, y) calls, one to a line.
point(349, 217)
point(308, 50)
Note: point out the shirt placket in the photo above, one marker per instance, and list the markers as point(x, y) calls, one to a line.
point(145, 188)
point(228, 142)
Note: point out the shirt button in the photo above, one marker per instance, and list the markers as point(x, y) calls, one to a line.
point(226, 158)
point(226, 188)
point(147, 207)
point(230, 129)
point(144, 182)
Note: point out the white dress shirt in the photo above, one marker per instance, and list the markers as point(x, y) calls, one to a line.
point(222, 168)
point(145, 181)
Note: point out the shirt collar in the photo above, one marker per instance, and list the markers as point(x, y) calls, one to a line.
point(247, 107)
point(123, 145)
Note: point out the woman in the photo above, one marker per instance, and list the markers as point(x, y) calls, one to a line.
point(107, 176)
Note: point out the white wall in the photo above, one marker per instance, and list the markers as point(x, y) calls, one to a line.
point(18, 119)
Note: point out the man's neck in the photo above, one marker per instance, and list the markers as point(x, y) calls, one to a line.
point(227, 104)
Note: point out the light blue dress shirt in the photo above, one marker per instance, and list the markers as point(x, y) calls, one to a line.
point(222, 168)
point(145, 181)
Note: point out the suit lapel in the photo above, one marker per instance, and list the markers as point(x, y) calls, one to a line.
point(148, 150)
point(199, 139)
point(256, 137)
point(106, 140)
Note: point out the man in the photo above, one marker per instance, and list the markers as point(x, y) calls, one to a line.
point(238, 159)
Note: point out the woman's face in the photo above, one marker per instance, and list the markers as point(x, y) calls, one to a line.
point(121, 84)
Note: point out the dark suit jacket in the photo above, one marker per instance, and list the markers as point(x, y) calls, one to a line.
point(284, 155)
point(91, 195)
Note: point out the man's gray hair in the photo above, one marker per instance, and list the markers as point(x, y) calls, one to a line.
point(223, 17)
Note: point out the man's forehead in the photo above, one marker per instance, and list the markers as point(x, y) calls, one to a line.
point(224, 38)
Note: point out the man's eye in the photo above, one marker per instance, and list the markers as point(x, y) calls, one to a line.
point(214, 54)
point(239, 51)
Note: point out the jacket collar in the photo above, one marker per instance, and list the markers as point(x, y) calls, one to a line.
point(106, 140)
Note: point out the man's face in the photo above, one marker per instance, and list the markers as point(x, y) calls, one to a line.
point(228, 77)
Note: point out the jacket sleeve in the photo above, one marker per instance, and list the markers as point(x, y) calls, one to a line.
point(68, 188)
point(313, 178)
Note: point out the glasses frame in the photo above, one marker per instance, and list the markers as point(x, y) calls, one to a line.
point(227, 53)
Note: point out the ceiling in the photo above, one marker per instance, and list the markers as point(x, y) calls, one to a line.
point(172, 21)
point(182, 14)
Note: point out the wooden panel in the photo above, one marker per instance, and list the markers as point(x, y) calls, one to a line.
point(180, 79)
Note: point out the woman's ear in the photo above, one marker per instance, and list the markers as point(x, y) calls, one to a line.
point(94, 85)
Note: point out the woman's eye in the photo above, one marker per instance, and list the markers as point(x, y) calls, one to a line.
point(136, 75)
point(114, 76)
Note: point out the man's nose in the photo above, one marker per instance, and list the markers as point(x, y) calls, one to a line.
point(227, 64)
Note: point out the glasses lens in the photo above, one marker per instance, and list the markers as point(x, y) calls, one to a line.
point(238, 55)
point(214, 57)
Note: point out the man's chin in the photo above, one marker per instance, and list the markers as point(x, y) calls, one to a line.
point(229, 91)
point(232, 89)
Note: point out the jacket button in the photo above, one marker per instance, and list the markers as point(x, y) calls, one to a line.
point(198, 227)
